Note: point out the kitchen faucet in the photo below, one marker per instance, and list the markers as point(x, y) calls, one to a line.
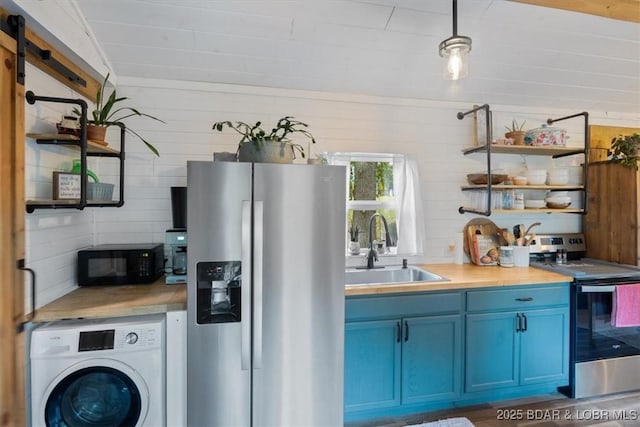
point(372, 255)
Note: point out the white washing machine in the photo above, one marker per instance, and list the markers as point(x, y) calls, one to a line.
point(99, 372)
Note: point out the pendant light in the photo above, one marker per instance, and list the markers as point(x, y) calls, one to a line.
point(455, 51)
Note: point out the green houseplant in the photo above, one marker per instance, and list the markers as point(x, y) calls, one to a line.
point(516, 132)
point(625, 150)
point(106, 114)
point(258, 145)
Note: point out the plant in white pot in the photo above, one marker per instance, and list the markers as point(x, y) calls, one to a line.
point(256, 145)
point(105, 115)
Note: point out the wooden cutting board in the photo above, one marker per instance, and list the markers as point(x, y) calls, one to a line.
point(479, 226)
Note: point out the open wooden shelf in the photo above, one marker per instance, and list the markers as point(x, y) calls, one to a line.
point(525, 187)
point(72, 141)
point(526, 150)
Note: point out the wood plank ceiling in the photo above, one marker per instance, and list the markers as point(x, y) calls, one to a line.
point(522, 54)
point(624, 10)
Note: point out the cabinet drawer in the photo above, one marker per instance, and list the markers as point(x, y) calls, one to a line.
point(402, 305)
point(517, 298)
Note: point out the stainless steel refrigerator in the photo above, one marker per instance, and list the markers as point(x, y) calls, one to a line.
point(265, 294)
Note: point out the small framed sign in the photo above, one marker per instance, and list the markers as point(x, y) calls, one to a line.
point(66, 186)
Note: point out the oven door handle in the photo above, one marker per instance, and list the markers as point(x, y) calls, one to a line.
point(585, 289)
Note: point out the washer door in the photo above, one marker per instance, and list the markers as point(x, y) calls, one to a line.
point(96, 395)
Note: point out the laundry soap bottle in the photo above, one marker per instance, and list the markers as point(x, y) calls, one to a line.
point(75, 168)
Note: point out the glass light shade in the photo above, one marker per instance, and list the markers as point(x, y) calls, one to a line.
point(456, 63)
point(455, 51)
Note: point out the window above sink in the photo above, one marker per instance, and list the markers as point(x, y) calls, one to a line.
point(395, 194)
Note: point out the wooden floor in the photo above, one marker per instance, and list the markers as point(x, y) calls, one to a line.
point(542, 411)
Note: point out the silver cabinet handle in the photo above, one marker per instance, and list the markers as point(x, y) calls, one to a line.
point(591, 289)
point(245, 305)
point(258, 253)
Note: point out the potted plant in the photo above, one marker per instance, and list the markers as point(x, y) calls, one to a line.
point(256, 145)
point(516, 132)
point(625, 150)
point(105, 115)
point(354, 244)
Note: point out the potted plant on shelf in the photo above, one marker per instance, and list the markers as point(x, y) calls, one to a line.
point(625, 150)
point(256, 145)
point(354, 244)
point(516, 132)
point(105, 115)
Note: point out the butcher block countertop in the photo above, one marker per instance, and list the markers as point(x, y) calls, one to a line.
point(465, 276)
point(126, 300)
point(115, 301)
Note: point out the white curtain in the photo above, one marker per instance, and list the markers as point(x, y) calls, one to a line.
point(409, 211)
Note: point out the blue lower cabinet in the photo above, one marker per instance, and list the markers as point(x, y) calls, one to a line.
point(512, 349)
point(544, 346)
point(372, 365)
point(396, 362)
point(410, 353)
point(431, 359)
point(492, 351)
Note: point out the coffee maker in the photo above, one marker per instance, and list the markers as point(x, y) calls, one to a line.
point(175, 240)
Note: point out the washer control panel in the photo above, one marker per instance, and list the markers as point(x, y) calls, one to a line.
point(67, 337)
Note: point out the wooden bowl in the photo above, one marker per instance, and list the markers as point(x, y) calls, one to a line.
point(552, 205)
point(481, 178)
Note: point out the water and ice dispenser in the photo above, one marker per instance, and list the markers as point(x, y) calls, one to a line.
point(218, 297)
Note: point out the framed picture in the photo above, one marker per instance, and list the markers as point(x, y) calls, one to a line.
point(66, 186)
point(480, 135)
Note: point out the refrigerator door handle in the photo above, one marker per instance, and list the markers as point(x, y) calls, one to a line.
point(245, 341)
point(258, 252)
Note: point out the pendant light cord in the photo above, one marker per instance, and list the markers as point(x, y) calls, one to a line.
point(455, 18)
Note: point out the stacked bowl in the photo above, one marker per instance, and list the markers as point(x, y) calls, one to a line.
point(536, 176)
point(558, 177)
point(558, 200)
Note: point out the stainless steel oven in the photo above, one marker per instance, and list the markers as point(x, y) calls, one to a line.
point(603, 358)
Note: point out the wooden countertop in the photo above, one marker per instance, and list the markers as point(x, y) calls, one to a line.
point(115, 301)
point(465, 276)
point(126, 300)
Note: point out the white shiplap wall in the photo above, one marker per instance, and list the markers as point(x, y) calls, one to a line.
point(340, 122)
point(52, 236)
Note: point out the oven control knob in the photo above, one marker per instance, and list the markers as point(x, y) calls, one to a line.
point(131, 338)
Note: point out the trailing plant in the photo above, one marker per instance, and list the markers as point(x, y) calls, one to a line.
point(515, 126)
point(354, 232)
point(625, 150)
point(258, 136)
point(105, 114)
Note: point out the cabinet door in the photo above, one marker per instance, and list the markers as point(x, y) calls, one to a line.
point(492, 351)
point(431, 358)
point(544, 346)
point(372, 365)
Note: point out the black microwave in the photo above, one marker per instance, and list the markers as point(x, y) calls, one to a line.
point(120, 264)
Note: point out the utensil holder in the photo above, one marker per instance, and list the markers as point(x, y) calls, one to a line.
point(521, 256)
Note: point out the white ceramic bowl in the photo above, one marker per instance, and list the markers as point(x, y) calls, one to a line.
point(535, 204)
point(537, 176)
point(558, 176)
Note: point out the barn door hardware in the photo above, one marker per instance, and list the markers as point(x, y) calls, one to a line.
point(16, 28)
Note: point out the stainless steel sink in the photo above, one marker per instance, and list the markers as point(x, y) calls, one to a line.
point(390, 274)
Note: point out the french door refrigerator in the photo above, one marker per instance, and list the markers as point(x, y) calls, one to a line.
point(265, 294)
